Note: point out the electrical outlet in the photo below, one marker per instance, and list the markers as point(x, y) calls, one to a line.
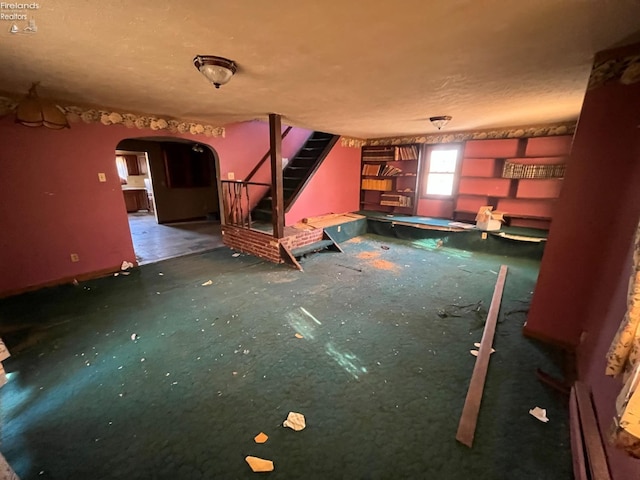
point(484, 235)
point(231, 176)
point(339, 227)
point(102, 177)
point(75, 257)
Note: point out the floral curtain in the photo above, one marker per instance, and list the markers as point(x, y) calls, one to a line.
point(624, 359)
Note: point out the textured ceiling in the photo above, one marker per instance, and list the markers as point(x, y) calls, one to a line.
point(364, 68)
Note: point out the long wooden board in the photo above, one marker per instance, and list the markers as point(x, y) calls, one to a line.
point(591, 433)
point(577, 445)
point(469, 417)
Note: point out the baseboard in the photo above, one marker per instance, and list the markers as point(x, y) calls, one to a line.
point(548, 340)
point(62, 281)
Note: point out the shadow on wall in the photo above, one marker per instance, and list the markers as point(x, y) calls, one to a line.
point(183, 175)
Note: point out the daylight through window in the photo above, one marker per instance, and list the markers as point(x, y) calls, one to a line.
point(442, 170)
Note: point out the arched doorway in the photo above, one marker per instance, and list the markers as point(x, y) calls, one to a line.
point(171, 196)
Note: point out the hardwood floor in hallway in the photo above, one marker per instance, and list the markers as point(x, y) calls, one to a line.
point(153, 242)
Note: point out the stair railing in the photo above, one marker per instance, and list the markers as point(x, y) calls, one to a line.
point(237, 203)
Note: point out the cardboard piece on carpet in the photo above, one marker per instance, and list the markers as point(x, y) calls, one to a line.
point(259, 464)
point(261, 438)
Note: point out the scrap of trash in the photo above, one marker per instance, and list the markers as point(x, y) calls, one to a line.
point(295, 421)
point(539, 413)
point(258, 464)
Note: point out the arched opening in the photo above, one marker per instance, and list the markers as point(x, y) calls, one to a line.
point(170, 188)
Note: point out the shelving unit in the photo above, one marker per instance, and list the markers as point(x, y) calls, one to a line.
point(521, 177)
point(389, 178)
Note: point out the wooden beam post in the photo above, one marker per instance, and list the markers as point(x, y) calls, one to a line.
point(277, 192)
point(469, 417)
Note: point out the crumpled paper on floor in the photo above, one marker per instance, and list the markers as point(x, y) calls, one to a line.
point(539, 413)
point(126, 265)
point(295, 421)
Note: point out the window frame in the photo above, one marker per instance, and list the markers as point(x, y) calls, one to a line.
point(426, 171)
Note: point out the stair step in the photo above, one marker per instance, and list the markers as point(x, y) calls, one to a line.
point(312, 247)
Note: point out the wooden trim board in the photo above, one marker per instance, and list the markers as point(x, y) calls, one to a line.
point(577, 445)
point(591, 434)
point(469, 417)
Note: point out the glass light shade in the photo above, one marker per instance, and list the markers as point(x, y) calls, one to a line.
point(33, 111)
point(440, 121)
point(217, 70)
point(216, 74)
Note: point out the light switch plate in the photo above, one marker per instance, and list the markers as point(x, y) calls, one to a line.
point(102, 177)
point(231, 176)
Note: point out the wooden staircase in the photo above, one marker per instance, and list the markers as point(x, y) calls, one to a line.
point(297, 173)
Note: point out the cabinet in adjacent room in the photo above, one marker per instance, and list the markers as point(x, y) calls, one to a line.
point(136, 199)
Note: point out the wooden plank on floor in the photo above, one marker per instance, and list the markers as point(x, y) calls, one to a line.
point(335, 246)
point(288, 258)
point(469, 417)
point(591, 433)
point(577, 444)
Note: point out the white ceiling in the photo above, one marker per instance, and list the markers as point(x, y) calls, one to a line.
point(365, 68)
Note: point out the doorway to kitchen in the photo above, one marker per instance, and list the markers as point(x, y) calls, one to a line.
point(171, 197)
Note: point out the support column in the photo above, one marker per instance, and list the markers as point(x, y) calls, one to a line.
point(277, 193)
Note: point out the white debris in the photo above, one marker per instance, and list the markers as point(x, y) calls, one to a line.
point(134, 336)
point(539, 413)
point(207, 283)
point(295, 421)
point(235, 255)
point(126, 265)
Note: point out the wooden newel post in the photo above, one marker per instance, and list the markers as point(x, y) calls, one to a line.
point(277, 193)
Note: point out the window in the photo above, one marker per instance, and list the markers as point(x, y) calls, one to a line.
point(442, 172)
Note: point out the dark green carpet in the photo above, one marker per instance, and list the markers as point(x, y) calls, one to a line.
point(381, 378)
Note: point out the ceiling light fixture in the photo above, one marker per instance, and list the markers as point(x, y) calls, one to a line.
point(440, 121)
point(34, 111)
point(218, 70)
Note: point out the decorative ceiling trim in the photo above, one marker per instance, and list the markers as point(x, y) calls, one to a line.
point(130, 120)
point(566, 128)
point(625, 70)
point(352, 142)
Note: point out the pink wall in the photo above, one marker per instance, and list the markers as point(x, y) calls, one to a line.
point(52, 205)
point(335, 187)
point(430, 207)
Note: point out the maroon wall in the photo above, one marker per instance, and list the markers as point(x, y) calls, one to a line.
point(595, 216)
point(580, 298)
